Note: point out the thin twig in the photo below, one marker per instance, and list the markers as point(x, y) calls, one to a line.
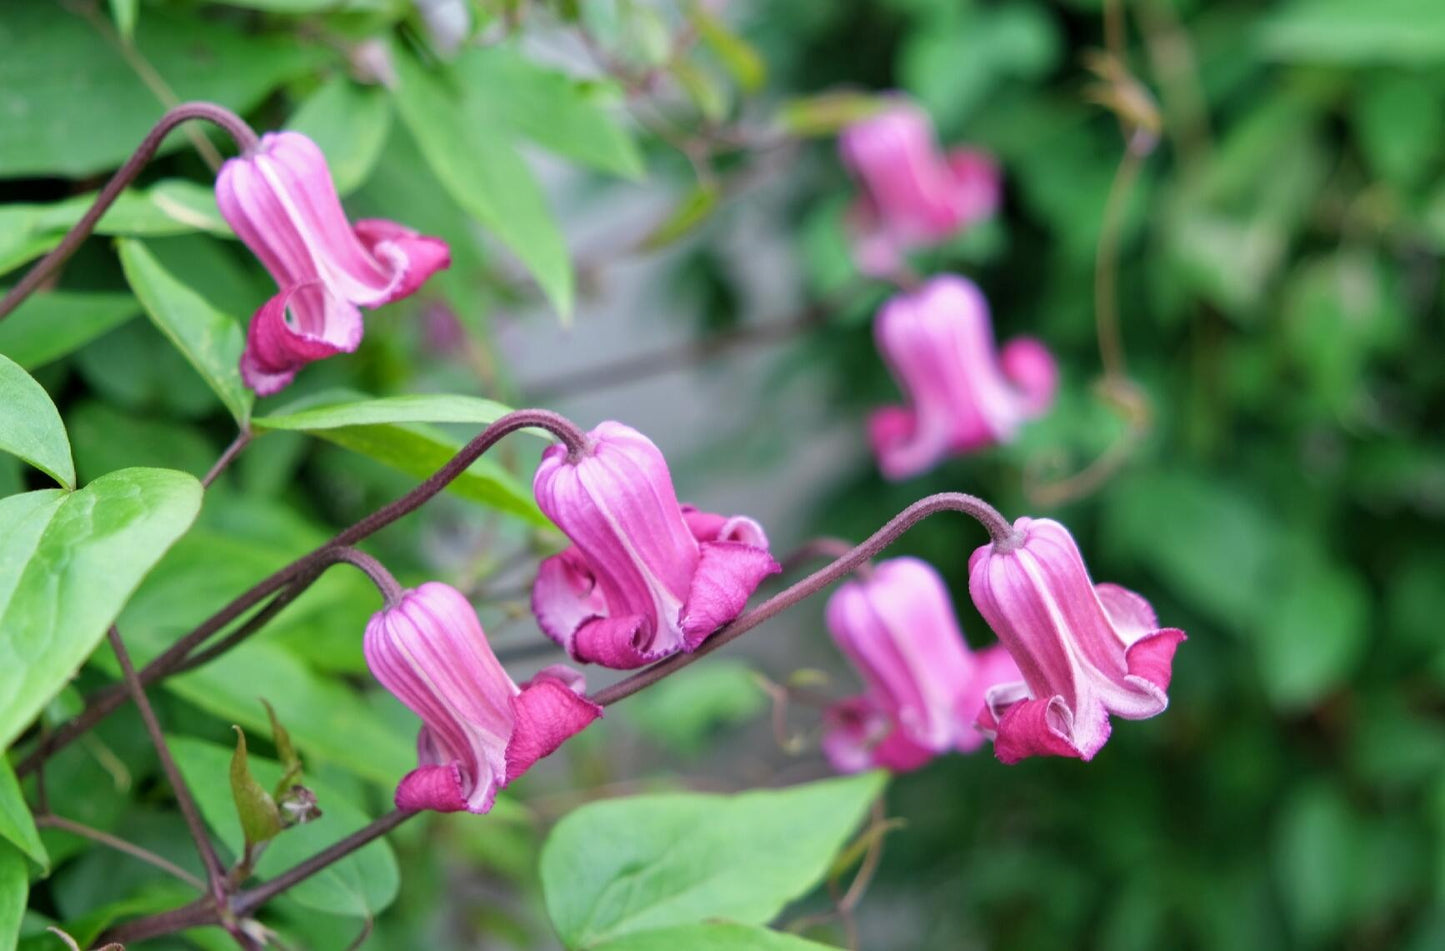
point(249, 901)
point(1106, 266)
point(227, 457)
point(215, 875)
point(52, 821)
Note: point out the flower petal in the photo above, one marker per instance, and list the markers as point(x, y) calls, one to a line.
point(565, 596)
point(727, 574)
point(1039, 728)
point(440, 788)
point(276, 348)
point(548, 711)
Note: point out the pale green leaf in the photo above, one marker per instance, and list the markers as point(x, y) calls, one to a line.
point(30, 425)
point(388, 409)
point(350, 122)
point(68, 562)
point(711, 936)
point(124, 13)
point(14, 894)
point(1404, 32)
point(16, 823)
point(51, 324)
point(209, 340)
point(735, 53)
point(650, 862)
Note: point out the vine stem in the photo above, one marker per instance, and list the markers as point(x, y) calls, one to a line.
point(52, 821)
point(232, 451)
point(1106, 266)
point(234, 126)
point(175, 657)
point(1003, 535)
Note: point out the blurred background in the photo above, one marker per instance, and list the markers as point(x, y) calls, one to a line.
point(1280, 495)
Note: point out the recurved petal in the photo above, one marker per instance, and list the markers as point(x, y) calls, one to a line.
point(413, 257)
point(617, 642)
point(276, 348)
point(565, 596)
point(441, 788)
point(1039, 728)
point(549, 709)
point(727, 575)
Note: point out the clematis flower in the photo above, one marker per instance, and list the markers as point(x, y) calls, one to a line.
point(279, 199)
point(924, 687)
point(644, 577)
point(913, 194)
point(1086, 651)
point(963, 393)
point(480, 730)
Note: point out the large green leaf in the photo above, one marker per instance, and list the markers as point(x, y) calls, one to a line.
point(100, 112)
point(210, 340)
point(16, 823)
point(1404, 32)
point(30, 425)
point(361, 884)
point(52, 324)
point(68, 562)
point(712, 936)
point(649, 862)
point(14, 893)
point(559, 113)
point(350, 122)
point(389, 430)
point(484, 174)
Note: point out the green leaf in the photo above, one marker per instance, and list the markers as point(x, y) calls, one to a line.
point(52, 324)
point(703, 89)
point(1315, 630)
point(30, 425)
point(1406, 32)
point(16, 823)
point(209, 340)
point(281, 739)
point(827, 114)
point(350, 122)
point(649, 862)
point(694, 209)
point(484, 174)
point(260, 819)
point(14, 893)
point(124, 13)
point(559, 113)
point(735, 53)
point(385, 430)
point(1316, 851)
point(711, 936)
point(363, 883)
point(68, 562)
point(685, 710)
point(95, 118)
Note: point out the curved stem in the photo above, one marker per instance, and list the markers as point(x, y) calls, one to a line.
point(52, 821)
point(252, 899)
point(1106, 266)
point(373, 569)
point(234, 126)
point(999, 530)
point(227, 457)
point(823, 547)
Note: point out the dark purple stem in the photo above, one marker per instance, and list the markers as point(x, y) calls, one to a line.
point(236, 127)
point(373, 569)
point(227, 457)
point(999, 530)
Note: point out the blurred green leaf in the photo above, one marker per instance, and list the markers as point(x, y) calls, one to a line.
point(100, 540)
point(484, 174)
point(563, 115)
point(16, 823)
point(30, 425)
point(705, 91)
point(683, 711)
point(643, 863)
point(51, 324)
point(695, 208)
point(351, 123)
point(736, 54)
point(1316, 857)
point(209, 339)
point(106, 439)
point(1314, 630)
point(1347, 31)
point(713, 936)
point(124, 13)
point(362, 884)
point(195, 57)
point(827, 114)
point(1400, 123)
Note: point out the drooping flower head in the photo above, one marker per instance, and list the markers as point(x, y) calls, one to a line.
point(480, 730)
point(1086, 651)
point(644, 577)
point(913, 194)
point(279, 199)
point(924, 688)
point(963, 393)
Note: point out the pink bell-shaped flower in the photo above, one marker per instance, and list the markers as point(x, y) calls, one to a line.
point(924, 688)
point(645, 577)
point(1086, 651)
point(914, 195)
point(279, 199)
point(963, 393)
point(480, 730)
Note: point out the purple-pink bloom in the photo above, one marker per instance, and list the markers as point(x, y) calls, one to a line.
point(963, 393)
point(1085, 651)
point(924, 688)
point(480, 730)
point(913, 193)
point(279, 199)
point(645, 577)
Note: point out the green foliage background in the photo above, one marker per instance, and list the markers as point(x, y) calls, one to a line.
point(1281, 300)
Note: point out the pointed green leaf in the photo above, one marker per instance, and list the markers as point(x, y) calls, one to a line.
point(16, 823)
point(350, 122)
point(484, 174)
point(735, 53)
point(52, 324)
point(365, 411)
point(14, 894)
point(30, 425)
point(260, 819)
point(282, 741)
point(68, 562)
point(694, 209)
point(209, 339)
point(649, 862)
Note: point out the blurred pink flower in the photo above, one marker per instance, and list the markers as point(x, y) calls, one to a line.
point(480, 730)
point(1085, 650)
point(924, 687)
point(644, 577)
point(279, 199)
point(914, 195)
point(962, 393)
